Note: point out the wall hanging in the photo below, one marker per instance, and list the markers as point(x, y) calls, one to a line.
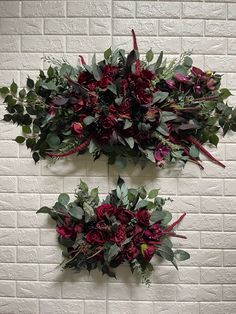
point(129, 226)
point(123, 107)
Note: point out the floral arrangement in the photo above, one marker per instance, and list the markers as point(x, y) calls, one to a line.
point(129, 226)
point(123, 107)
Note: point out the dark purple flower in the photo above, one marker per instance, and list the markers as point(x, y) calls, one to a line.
point(161, 152)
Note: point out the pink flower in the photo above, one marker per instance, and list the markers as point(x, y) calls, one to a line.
point(197, 72)
point(149, 252)
point(183, 78)
point(161, 152)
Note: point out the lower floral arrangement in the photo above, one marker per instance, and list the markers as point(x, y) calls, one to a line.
point(128, 226)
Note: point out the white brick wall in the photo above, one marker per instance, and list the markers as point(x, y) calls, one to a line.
point(30, 283)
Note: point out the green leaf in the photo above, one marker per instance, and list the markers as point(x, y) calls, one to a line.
point(163, 129)
point(130, 141)
point(224, 93)
point(113, 252)
point(13, 88)
point(44, 210)
point(168, 116)
point(153, 193)
point(107, 53)
point(76, 212)
point(142, 192)
point(181, 255)
point(53, 140)
point(7, 117)
point(149, 55)
point(94, 192)
point(83, 186)
point(157, 216)
point(194, 151)
point(22, 93)
point(30, 83)
point(188, 62)
point(88, 209)
point(166, 253)
point(142, 204)
point(159, 60)
point(50, 72)
point(88, 120)
point(149, 154)
point(167, 218)
point(128, 124)
point(214, 139)
point(4, 91)
point(97, 73)
point(20, 139)
point(36, 157)
point(63, 198)
point(160, 96)
point(26, 129)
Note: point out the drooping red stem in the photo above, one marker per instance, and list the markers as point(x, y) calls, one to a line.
point(72, 151)
point(82, 60)
point(175, 223)
point(194, 141)
point(135, 45)
point(134, 40)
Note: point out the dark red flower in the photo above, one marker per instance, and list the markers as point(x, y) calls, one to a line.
point(78, 128)
point(131, 252)
point(108, 122)
point(148, 252)
point(161, 152)
point(125, 108)
point(95, 237)
point(143, 216)
point(120, 235)
point(104, 82)
point(105, 209)
point(183, 79)
point(79, 228)
point(211, 84)
point(66, 231)
point(124, 215)
point(147, 74)
point(144, 97)
point(197, 72)
point(85, 77)
point(110, 70)
point(171, 84)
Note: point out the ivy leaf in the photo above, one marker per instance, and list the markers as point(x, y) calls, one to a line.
point(106, 270)
point(30, 83)
point(63, 198)
point(113, 252)
point(107, 53)
point(166, 252)
point(157, 216)
point(181, 255)
point(83, 186)
point(130, 141)
point(149, 55)
point(36, 157)
point(214, 139)
point(160, 96)
point(26, 129)
point(50, 72)
point(22, 93)
point(20, 139)
point(159, 60)
point(224, 93)
point(4, 91)
point(13, 88)
point(76, 212)
point(153, 193)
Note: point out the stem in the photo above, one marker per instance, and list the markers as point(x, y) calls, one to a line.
point(77, 149)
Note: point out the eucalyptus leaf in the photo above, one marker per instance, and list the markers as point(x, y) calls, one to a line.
point(63, 198)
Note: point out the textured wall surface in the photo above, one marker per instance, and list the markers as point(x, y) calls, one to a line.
point(29, 279)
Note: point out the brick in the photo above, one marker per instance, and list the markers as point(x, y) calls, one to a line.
point(166, 292)
point(27, 219)
point(204, 258)
point(15, 306)
point(118, 291)
point(158, 10)
point(176, 307)
point(47, 254)
point(221, 28)
point(218, 275)
point(142, 26)
point(232, 11)
point(88, 44)
point(8, 149)
point(201, 222)
point(43, 8)
point(8, 184)
point(48, 237)
point(217, 308)
point(6, 79)
point(7, 219)
point(205, 45)
point(100, 26)
point(20, 61)
point(9, 9)
point(18, 201)
point(27, 254)
point(230, 187)
point(90, 8)
point(9, 43)
point(65, 26)
point(207, 187)
point(83, 290)
point(214, 240)
point(196, 293)
point(75, 168)
point(43, 44)
point(232, 46)
point(46, 290)
point(117, 307)
point(7, 254)
point(7, 289)
point(91, 307)
point(181, 28)
point(20, 26)
point(204, 10)
point(229, 222)
point(218, 204)
point(40, 184)
point(18, 272)
point(169, 275)
point(13, 166)
point(61, 306)
point(229, 292)
point(221, 63)
point(28, 236)
point(229, 258)
point(123, 9)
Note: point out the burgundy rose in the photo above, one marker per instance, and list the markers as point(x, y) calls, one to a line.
point(197, 72)
point(79, 228)
point(153, 233)
point(92, 86)
point(147, 74)
point(183, 79)
point(108, 121)
point(143, 216)
point(131, 252)
point(85, 77)
point(171, 84)
point(120, 235)
point(104, 82)
point(125, 108)
point(144, 97)
point(95, 237)
point(152, 114)
point(161, 152)
point(105, 209)
point(78, 128)
point(124, 215)
point(52, 110)
point(110, 70)
point(148, 251)
point(66, 231)
point(105, 136)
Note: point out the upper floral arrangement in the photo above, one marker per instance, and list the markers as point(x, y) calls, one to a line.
point(123, 107)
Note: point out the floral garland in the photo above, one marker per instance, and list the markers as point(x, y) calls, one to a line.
point(123, 107)
point(129, 226)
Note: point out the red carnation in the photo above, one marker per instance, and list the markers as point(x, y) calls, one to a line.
point(110, 70)
point(66, 231)
point(120, 235)
point(105, 210)
point(108, 121)
point(78, 128)
point(147, 75)
point(79, 228)
point(95, 237)
point(124, 215)
point(131, 252)
point(143, 216)
point(144, 97)
point(183, 78)
point(104, 82)
point(149, 252)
